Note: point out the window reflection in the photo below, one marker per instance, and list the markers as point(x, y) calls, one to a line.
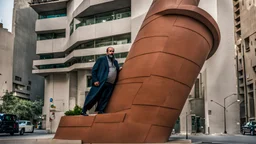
point(47, 36)
point(52, 14)
point(114, 40)
point(104, 17)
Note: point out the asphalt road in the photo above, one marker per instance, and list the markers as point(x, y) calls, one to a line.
point(220, 139)
point(196, 139)
point(38, 134)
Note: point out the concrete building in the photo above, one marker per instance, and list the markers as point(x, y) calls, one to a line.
point(72, 34)
point(25, 84)
point(6, 61)
point(216, 84)
point(245, 44)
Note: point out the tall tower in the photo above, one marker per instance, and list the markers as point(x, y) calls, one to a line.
point(245, 44)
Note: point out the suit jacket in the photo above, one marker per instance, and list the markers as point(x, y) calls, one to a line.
point(100, 72)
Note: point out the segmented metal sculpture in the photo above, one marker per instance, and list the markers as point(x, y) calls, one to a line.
point(166, 57)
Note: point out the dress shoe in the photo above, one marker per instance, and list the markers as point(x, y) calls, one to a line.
point(84, 114)
point(100, 112)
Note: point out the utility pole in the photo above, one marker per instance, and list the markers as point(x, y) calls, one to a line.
point(225, 109)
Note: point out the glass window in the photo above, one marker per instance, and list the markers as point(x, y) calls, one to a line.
point(104, 17)
point(97, 56)
point(89, 44)
point(123, 13)
point(87, 59)
point(47, 56)
point(22, 122)
point(124, 55)
point(122, 39)
point(71, 27)
point(86, 21)
point(117, 55)
point(45, 66)
point(53, 14)
point(89, 21)
point(89, 81)
point(28, 123)
point(47, 36)
point(59, 35)
point(116, 40)
point(18, 78)
point(103, 42)
point(28, 88)
point(59, 66)
point(14, 117)
point(7, 118)
point(100, 18)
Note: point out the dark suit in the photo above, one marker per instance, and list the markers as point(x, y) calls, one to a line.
point(103, 92)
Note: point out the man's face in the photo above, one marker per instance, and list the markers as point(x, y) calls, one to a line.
point(110, 52)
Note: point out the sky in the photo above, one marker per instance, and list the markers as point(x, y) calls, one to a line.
point(6, 10)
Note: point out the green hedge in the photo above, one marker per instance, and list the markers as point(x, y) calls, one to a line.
point(76, 111)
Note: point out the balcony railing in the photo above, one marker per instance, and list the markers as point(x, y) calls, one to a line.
point(41, 1)
point(85, 59)
point(101, 18)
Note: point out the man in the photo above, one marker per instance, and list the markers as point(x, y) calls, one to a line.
point(104, 76)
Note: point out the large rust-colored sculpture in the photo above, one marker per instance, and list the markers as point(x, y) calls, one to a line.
point(171, 47)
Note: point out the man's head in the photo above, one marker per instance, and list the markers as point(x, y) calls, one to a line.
point(110, 52)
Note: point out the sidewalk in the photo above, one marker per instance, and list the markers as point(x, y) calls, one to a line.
point(202, 134)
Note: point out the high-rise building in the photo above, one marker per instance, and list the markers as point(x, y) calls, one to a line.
point(72, 34)
point(6, 52)
point(245, 44)
point(25, 84)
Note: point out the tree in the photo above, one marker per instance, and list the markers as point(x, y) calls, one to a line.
point(24, 109)
point(9, 102)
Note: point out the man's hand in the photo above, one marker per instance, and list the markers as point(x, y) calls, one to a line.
point(97, 83)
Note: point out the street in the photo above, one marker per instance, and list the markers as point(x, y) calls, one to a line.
point(196, 139)
point(38, 134)
point(218, 139)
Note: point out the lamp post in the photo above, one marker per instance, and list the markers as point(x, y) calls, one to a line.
point(225, 108)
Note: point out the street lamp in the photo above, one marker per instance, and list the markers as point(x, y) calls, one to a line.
point(225, 108)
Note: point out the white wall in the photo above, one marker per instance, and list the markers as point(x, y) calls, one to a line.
point(100, 30)
point(57, 86)
point(81, 86)
point(139, 10)
point(220, 70)
point(82, 52)
point(58, 23)
point(50, 46)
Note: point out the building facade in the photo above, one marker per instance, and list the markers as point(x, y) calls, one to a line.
point(25, 84)
point(72, 34)
point(6, 61)
point(245, 44)
point(215, 87)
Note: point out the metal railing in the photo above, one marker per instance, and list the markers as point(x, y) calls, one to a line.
point(41, 1)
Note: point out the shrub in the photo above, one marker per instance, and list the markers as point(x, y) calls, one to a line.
point(76, 111)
